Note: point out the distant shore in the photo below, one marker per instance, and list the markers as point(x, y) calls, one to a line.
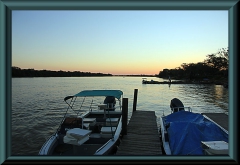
point(186, 82)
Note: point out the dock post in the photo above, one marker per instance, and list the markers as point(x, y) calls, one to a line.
point(135, 100)
point(124, 115)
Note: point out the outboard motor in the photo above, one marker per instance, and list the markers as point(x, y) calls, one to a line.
point(175, 104)
point(110, 101)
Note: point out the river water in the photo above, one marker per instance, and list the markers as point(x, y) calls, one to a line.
point(38, 106)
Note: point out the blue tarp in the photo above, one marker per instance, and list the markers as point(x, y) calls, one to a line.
point(186, 131)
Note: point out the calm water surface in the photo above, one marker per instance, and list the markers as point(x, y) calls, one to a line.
point(38, 106)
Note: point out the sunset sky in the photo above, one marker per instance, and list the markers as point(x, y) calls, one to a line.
point(117, 42)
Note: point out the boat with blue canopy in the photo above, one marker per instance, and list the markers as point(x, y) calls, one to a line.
point(91, 125)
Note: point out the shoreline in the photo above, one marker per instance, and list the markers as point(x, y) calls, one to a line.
point(185, 82)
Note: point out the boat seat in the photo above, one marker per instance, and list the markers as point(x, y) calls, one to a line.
point(76, 136)
point(72, 122)
point(90, 121)
point(106, 132)
point(112, 121)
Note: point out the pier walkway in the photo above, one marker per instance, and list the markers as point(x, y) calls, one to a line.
point(142, 135)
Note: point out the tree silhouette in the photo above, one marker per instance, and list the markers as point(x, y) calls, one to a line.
point(214, 67)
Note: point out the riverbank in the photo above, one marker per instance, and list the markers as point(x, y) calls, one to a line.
point(225, 84)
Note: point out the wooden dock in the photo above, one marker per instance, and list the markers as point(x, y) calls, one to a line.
point(142, 135)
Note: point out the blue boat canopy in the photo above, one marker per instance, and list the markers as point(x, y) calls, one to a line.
point(88, 93)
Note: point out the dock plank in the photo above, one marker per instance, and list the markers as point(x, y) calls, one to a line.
point(142, 135)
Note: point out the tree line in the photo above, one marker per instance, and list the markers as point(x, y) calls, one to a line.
point(18, 72)
point(214, 68)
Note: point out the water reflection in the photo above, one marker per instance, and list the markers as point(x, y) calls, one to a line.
point(205, 96)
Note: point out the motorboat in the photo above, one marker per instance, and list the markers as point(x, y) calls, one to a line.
point(145, 81)
point(91, 125)
point(184, 132)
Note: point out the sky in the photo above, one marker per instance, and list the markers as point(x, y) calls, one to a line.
point(121, 42)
